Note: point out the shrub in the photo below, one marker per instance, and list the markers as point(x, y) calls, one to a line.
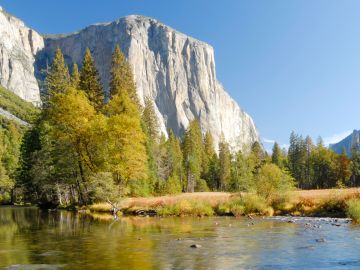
point(254, 204)
point(353, 210)
point(246, 204)
point(271, 180)
point(237, 210)
point(281, 203)
point(186, 208)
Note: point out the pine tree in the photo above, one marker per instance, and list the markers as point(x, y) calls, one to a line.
point(90, 81)
point(192, 152)
point(209, 152)
point(225, 165)
point(175, 162)
point(276, 156)
point(122, 78)
point(75, 77)
point(150, 120)
point(58, 78)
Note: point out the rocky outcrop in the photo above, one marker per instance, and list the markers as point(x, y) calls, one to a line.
point(18, 47)
point(176, 71)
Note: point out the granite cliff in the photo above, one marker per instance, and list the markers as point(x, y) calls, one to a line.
point(175, 70)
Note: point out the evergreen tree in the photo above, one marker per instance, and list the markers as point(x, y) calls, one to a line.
point(58, 78)
point(122, 78)
point(276, 156)
point(75, 77)
point(225, 165)
point(192, 152)
point(242, 169)
point(175, 157)
point(90, 81)
point(209, 153)
point(150, 120)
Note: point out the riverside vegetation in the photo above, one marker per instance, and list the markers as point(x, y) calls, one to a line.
point(86, 147)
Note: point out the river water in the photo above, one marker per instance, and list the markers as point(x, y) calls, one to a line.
point(32, 239)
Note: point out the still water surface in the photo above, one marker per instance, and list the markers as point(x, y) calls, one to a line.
point(31, 239)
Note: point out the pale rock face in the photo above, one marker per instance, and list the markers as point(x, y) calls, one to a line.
point(176, 71)
point(18, 47)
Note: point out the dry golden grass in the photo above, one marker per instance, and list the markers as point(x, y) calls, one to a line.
point(213, 198)
point(317, 195)
point(301, 202)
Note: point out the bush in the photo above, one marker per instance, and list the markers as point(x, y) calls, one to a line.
point(247, 204)
point(271, 180)
point(353, 210)
point(281, 203)
point(237, 210)
point(186, 208)
point(254, 204)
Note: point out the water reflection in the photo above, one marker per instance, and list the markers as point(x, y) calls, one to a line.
point(31, 239)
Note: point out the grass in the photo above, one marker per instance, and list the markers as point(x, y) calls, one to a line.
point(24, 110)
point(319, 203)
point(244, 205)
point(186, 208)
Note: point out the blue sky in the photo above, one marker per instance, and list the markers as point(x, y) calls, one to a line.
point(292, 65)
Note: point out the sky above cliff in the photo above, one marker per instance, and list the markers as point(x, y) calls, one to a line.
point(292, 65)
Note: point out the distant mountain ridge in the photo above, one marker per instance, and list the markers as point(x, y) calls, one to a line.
point(351, 141)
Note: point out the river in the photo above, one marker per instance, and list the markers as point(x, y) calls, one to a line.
point(32, 239)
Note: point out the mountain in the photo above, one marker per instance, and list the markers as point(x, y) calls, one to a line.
point(18, 48)
point(351, 141)
point(176, 71)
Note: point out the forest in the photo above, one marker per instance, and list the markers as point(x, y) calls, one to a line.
point(87, 146)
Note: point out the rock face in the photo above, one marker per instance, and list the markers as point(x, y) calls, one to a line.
point(176, 71)
point(351, 141)
point(18, 47)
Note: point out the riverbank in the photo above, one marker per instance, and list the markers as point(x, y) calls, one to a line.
point(337, 203)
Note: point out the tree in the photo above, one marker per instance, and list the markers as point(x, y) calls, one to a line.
point(257, 155)
point(242, 169)
point(150, 120)
point(175, 162)
point(324, 162)
point(225, 165)
point(297, 156)
point(276, 157)
point(90, 81)
point(208, 155)
point(75, 77)
point(122, 78)
point(271, 180)
point(192, 152)
point(344, 169)
point(70, 121)
point(58, 78)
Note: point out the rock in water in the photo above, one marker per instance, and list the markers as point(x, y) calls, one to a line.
point(195, 246)
point(175, 70)
point(18, 48)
